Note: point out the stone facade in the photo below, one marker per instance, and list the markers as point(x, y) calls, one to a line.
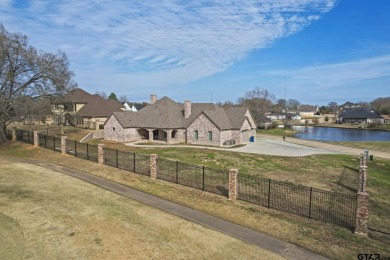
point(361, 226)
point(153, 166)
point(100, 153)
point(113, 131)
point(233, 184)
point(63, 145)
point(36, 138)
point(362, 178)
point(203, 125)
point(187, 109)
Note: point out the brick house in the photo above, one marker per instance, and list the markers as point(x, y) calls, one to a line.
point(82, 109)
point(172, 122)
point(359, 116)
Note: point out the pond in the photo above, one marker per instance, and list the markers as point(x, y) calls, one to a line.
point(340, 134)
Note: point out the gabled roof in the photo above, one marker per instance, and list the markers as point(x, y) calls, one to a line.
point(307, 108)
point(358, 113)
point(166, 113)
point(99, 107)
point(78, 95)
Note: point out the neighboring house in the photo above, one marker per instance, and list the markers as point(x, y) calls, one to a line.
point(82, 109)
point(386, 119)
point(307, 111)
point(359, 115)
point(348, 105)
point(275, 116)
point(172, 122)
point(262, 121)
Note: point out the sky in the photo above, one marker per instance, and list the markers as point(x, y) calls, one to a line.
point(314, 51)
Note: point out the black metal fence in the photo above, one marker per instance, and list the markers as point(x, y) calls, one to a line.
point(128, 161)
point(312, 203)
point(24, 136)
point(195, 176)
point(8, 134)
point(49, 142)
point(82, 150)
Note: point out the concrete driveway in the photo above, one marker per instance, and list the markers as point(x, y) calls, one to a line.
point(281, 148)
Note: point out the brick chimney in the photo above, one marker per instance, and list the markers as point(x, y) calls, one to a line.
point(153, 98)
point(187, 109)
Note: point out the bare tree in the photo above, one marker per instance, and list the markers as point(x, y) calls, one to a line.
point(28, 72)
point(293, 104)
point(258, 100)
point(381, 105)
point(333, 107)
point(123, 98)
point(102, 94)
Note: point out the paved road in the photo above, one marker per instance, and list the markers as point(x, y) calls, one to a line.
point(245, 234)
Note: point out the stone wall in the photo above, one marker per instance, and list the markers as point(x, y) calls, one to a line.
point(113, 131)
point(203, 125)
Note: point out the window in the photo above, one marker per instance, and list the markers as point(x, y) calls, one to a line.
point(210, 134)
point(79, 120)
point(196, 135)
point(57, 119)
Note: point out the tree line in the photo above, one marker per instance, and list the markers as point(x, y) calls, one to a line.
point(261, 101)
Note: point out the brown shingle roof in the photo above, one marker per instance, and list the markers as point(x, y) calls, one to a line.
point(98, 108)
point(166, 113)
point(78, 95)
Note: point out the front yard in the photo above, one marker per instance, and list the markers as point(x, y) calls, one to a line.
point(327, 239)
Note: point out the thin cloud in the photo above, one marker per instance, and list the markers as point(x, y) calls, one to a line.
point(158, 42)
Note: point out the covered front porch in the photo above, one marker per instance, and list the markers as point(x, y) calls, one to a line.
point(170, 136)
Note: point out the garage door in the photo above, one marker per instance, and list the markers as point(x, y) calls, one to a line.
point(244, 136)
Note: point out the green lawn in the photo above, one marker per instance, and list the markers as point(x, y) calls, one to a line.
point(330, 240)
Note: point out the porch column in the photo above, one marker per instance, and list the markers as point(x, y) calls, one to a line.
point(150, 135)
point(169, 136)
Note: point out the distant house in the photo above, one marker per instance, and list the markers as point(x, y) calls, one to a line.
point(262, 121)
point(275, 116)
point(359, 115)
point(82, 109)
point(386, 119)
point(172, 122)
point(348, 105)
point(307, 111)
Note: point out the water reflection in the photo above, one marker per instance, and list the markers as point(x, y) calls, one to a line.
point(340, 134)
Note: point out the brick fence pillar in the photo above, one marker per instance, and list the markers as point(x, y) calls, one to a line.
point(362, 178)
point(100, 153)
point(153, 166)
point(63, 145)
point(361, 225)
point(36, 138)
point(233, 184)
point(13, 131)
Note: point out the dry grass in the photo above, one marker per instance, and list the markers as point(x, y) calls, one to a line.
point(48, 215)
point(326, 239)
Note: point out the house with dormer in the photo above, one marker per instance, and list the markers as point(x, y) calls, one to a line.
point(81, 109)
point(172, 122)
